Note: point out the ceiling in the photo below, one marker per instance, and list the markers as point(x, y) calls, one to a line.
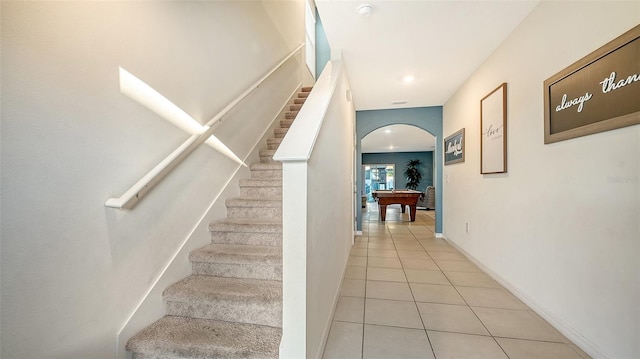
point(398, 138)
point(439, 43)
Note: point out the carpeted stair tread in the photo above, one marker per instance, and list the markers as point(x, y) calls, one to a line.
point(307, 89)
point(269, 171)
point(188, 338)
point(274, 140)
point(265, 153)
point(259, 166)
point(209, 288)
point(242, 300)
point(238, 261)
point(260, 182)
point(248, 202)
point(247, 238)
point(280, 132)
point(249, 225)
point(237, 254)
point(254, 207)
point(273, 143)
point(286, 123)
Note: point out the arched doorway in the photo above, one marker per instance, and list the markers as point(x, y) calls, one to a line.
point(385, 153)
point(428, 119)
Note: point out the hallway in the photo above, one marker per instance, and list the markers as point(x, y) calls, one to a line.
point(407, 294)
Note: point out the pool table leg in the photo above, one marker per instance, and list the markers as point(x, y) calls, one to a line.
point(383, 211)
point(412, 212)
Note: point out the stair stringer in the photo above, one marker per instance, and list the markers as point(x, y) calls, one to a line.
point(152, 307)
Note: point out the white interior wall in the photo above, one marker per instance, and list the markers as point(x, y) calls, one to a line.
point(329, 218)
point(73, 270)
point(561, 228)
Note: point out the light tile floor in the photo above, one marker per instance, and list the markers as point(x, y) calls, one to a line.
point(407, 294)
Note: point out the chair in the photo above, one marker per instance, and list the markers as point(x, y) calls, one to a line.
point(429, 199)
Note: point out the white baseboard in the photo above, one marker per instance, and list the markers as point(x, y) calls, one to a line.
point(439, 235)
point(561, 326)
point(358, 233)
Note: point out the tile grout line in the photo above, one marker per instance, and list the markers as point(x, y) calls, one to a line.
point(389, 235)
point(415, 303)
point(469, 306)
point(364, 300)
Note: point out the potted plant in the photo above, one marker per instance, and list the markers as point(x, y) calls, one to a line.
point(413, 175)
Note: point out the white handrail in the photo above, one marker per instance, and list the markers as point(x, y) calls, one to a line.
point(218, 117)
point(139, 189)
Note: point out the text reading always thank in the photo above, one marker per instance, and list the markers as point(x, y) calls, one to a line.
point(608, 84)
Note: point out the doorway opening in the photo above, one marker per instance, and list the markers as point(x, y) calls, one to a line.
point(378, 177)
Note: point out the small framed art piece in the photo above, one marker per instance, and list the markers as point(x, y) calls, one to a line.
point(493, 131)
point(454, 148)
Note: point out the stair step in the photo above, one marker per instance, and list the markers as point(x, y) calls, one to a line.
point(290, 114)
point(238, 261)
point(249, 301)
point(303, 94)
point(182, 338)
point(266, 232)
point(254, 207)
point(268, 171)
point(266, 156)
point(280, 132)
point(260, 188)
point(307, 89)
point(273, 143)
point(286, 123)
point(267, 159)
point(299, 101)
point(267, 153)
point(295, 107)
point(246, 225)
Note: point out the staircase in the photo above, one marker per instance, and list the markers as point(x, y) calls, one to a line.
point(231, 306)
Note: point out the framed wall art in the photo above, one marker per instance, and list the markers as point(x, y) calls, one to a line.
point(600, 92)
point(454, 148)
point(493, 131)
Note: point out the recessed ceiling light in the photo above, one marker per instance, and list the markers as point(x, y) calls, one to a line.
point(408, 78)
point(365, 9)
point(387, 131)
point(391, 147)
point(400, 102)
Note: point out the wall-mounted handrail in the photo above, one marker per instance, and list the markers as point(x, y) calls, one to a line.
point(139, 189)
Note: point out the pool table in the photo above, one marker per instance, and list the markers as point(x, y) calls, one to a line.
point(401, 197)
